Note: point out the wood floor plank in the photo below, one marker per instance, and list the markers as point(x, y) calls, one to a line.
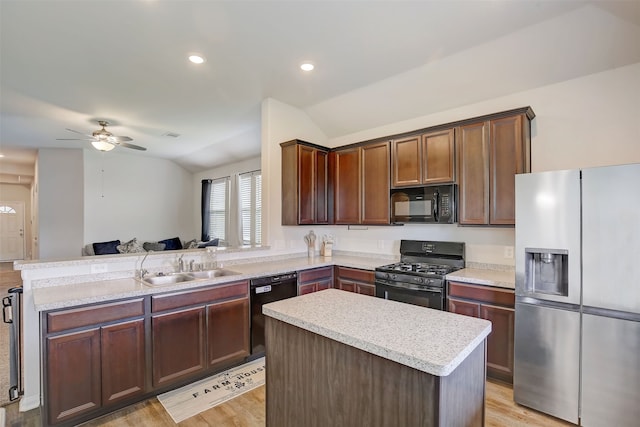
point(248, 410)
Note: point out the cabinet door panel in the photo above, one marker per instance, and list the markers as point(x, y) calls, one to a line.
point(407, 166)
point(346, 285)
point(307, 289)
point(375, 183)
point(438, 152)
point(473, 174)
point(73, 374)
point(123, 360)
point(465, 308)
point(365, 289)
point(322, 187)
point(228, 331)
point(347, 186)
point(324, 284)
point(507, 160)
point(306, 185)
point(178, 345)
point(499, 341)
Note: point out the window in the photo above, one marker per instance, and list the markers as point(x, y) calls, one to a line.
point(219, 209)
point(250, 201)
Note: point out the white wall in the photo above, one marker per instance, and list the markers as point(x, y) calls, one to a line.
point(20, 193)
point(147, 198)
point(231, 170)
point(60, 202)
point(589, 121)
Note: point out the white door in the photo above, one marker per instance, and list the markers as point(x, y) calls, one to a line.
point(11, 231)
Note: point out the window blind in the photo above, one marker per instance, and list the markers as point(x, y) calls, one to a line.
point(250, 195)
point(219, 208)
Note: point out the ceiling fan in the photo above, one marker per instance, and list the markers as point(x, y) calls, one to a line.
point(104, 140)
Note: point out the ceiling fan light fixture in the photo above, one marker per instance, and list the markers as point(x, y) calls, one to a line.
point(102, 145)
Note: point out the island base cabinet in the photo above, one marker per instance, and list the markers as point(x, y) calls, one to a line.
point(316, 381)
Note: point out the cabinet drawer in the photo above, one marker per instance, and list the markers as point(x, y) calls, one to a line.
point(94, 314)
point(482, 293)
point(355, 274)
point(315, 274)
point(203, 296)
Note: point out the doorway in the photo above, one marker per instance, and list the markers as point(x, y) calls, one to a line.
point(12, 241)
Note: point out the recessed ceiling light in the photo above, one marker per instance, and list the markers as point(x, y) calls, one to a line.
point(307, 66)
point(196, 59)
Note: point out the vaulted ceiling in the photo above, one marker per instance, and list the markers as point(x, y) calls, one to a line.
point(68, 63)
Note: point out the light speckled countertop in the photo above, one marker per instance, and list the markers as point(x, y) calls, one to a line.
point(54, 297)
point(429, 340)
point(501, 279)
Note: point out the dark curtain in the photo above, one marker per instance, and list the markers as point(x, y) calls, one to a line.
point(204, 209)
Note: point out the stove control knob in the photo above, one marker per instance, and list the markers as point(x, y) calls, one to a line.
point(419, 279)
point(393, 276)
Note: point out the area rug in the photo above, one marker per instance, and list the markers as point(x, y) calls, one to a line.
point(194, 398)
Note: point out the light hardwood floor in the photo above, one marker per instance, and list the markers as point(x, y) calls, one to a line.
point(247, 410)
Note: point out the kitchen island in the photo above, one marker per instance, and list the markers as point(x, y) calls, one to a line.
point(342, 359)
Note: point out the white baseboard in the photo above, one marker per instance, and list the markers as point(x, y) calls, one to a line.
point(28, 403)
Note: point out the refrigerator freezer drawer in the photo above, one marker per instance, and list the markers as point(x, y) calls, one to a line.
point(547, 360)
point(610, 372)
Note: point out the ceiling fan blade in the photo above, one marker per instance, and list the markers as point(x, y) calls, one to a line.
point(74, 139)
point(122, 138)
point(79, 133)
point(127, 145)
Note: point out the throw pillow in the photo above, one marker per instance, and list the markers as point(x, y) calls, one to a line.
point(172, 244)
point(106, 248)
point(191, 244)
point(153, 246)
point(131, 247)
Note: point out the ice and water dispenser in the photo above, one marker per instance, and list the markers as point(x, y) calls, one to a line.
point(546, 271)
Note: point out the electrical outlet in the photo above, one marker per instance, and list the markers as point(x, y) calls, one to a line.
point(98, 268)
point(508, 252)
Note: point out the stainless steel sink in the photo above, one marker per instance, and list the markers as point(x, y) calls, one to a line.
point(210, 274)
point(168, 279)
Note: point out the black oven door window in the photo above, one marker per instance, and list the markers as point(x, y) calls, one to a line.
point(424, 298)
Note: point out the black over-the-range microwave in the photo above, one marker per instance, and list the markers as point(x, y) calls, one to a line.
point(430, 204)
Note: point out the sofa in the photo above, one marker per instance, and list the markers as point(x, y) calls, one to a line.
point(114, 247)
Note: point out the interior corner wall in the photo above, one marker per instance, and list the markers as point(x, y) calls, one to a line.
point(60, 202)
point(129, 196)
point(280, 123)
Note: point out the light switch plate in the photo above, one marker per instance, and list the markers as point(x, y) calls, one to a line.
point(98, 268)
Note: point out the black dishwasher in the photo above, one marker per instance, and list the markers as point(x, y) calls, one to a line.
point(263, 291)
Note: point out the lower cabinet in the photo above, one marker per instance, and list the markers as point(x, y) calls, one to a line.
point(498, 306)
point(96, 357)
point(90, 365)
point(355, 280)
point(315, 280)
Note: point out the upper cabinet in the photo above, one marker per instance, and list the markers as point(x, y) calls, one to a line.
point(423, 159)
point(490, 154)
point(305, 185)
point(361, 184)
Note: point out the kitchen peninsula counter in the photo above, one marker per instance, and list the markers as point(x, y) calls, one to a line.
point(356, 360)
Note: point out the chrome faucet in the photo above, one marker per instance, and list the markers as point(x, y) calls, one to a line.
point(180, 264)
point(142, 272)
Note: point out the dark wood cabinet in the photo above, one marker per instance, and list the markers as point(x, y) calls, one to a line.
point(197, 330)
point(123, 361)
point(315, 280)
point(346, 186)
point(423, 159)
point(178, 345)
point(305, 183)
point(73, 378)
point(355, 280)
point(361, 184)
point(95, 357)
point(498, 306)
point(490, 154)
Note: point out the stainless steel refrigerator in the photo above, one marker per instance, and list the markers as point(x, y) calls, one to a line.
point(577, 332)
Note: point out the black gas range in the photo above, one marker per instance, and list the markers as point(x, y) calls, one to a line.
point(419, 277)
